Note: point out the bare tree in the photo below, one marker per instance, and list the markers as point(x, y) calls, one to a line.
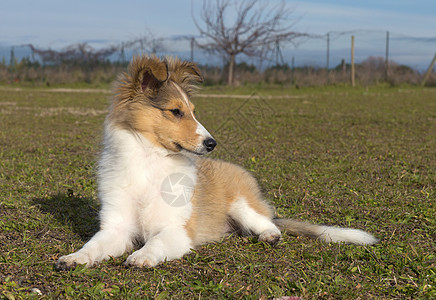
point(256, 29)
point(83, 53)
point(77, 53)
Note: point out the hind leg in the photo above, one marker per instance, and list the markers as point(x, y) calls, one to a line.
point(254, 216)
point(245, 204)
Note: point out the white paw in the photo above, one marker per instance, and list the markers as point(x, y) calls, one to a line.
point(73, 260)
point(141, 259)
point(270, 236)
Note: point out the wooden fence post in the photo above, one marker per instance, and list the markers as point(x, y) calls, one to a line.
point(353, 72)
point(328, 57)
point(430, 68)
point(387, 57)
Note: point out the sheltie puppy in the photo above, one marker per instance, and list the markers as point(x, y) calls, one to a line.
point(156, 187)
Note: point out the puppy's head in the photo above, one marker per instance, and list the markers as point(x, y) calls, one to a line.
point(153, 100)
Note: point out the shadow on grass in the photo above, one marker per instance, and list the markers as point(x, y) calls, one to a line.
point(77, 212)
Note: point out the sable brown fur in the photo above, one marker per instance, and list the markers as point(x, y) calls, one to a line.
point(145, 94)
point(128, 88)
point(220, 184)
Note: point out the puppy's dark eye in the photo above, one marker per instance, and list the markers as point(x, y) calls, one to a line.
point(176, 112)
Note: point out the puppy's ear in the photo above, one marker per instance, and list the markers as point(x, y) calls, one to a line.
point(192, 72)
point(153, 75)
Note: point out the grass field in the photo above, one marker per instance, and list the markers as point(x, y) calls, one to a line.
point(364, 158)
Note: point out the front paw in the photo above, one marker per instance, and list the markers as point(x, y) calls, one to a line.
point(141, 259)
point(71, 261)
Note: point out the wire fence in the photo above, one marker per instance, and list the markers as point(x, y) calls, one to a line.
point(380, 51)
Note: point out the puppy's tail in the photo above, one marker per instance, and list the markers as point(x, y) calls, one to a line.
point(326, 233)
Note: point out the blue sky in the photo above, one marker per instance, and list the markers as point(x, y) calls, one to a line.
point(57, 23)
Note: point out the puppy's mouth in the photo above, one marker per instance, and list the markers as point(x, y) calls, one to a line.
point(180, 148)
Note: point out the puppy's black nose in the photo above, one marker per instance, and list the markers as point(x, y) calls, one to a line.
point(209, 144)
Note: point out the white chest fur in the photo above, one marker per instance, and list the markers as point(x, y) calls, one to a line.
point(143, 184)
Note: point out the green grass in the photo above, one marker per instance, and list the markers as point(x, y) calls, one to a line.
point(363, 158)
